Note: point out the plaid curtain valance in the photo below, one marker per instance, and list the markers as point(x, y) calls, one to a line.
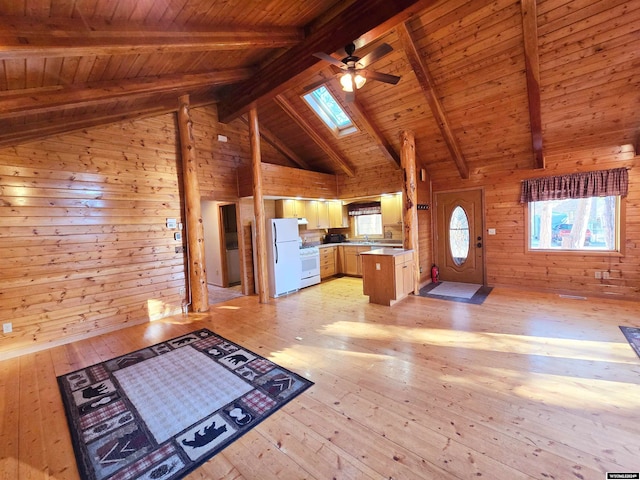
point(370, 208)
point(600, 183)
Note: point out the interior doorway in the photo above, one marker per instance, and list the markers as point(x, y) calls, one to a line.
point(229, 243)
point(222, 249)
point(460, 236)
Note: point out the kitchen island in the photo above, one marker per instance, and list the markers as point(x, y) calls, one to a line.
point(387, 275)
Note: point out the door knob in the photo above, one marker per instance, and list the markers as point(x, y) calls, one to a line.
point(479, 238)
point(479, 244)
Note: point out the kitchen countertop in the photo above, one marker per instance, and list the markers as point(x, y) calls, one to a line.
point(363, 244)
point(387, 251)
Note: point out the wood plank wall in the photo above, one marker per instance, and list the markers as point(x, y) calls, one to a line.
point(84, 241)
point(508, 263)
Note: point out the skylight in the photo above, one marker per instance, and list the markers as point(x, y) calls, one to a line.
point(331, 113)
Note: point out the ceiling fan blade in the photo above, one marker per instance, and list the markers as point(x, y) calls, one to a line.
point(329, 58)
point(381, 77)
point(375, 55)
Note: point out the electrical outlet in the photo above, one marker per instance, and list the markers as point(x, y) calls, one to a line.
point(182, 290)
point(598, 275)
point(7, 327)
point(605, 274)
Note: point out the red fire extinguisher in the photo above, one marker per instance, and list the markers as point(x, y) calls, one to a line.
point(435, 274)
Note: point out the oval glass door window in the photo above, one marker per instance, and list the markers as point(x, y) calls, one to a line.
point(459, 235)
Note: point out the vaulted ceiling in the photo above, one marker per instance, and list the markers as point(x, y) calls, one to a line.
point(485, 85)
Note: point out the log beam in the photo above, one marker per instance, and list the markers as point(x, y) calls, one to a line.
point(362, 17)
point(195, 229)
point(372, 129)
point(410, 202)
point(48, 99)
point(279, 145)
point(321, 142)
point(532, 63)
point(64, 37)
point(258, 206)
point(427, 84)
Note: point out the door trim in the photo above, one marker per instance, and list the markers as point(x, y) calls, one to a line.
point(436, 234)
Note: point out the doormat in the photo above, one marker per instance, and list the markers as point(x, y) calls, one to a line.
point(633, 337)
point(160, 412)
point(457, 292)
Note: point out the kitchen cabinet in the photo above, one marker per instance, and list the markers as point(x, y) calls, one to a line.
point(387, 275)
point(289, 208)
point(338, 216)
point(317, 214)
point(391, 207)
point(328, 261)
point(351, 261)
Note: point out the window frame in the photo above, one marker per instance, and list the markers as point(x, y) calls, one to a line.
point(620, 235)
point(323, 112)
point(369, 235)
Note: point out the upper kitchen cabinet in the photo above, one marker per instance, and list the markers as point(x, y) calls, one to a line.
point(317, 214)
point(338, 216)
point(391, 206)
point(289, 208)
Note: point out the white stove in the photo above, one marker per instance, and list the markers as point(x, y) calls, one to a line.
point(310, 261)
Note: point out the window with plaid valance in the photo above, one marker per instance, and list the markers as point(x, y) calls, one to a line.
point(601, 183)
point(369, 208)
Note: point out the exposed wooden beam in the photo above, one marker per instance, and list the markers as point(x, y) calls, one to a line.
point(258, 206)
point(64, 37)
point(46, 99)
point(362, 17)
point(372, 129)
point(427, 84)
point(272, 139)
point(321, 142)
point(410, 204)
point(532, 63)
point(193, 212)
point(34, 131)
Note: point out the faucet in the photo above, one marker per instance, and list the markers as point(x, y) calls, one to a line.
point(366, 238)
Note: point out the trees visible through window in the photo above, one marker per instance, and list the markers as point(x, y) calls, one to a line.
point(577, 211)
point(368, 225)
point(575, 224)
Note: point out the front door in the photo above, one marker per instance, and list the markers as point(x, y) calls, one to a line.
point(459, 236)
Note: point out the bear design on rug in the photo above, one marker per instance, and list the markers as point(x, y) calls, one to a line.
point(201, 439)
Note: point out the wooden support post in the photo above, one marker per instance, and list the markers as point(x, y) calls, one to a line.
point(258, 206)
point(410, 196)
point(195, 229)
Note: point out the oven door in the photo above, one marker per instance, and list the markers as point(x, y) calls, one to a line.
point(310, 265)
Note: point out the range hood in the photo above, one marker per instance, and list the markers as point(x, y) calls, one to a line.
point(302, 221)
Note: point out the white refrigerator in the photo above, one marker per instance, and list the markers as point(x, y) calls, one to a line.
point(283, 256)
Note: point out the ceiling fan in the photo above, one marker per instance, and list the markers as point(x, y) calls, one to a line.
point(355, 68)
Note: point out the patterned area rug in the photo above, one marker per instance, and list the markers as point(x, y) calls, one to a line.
point(633, 337)
point(159, 412)
point(457, 292)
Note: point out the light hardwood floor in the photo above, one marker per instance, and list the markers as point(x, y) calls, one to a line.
point(527, 385)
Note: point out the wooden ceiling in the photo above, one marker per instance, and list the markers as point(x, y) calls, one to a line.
point(486, 85)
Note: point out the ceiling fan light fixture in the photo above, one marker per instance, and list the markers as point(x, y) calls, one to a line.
point(349, 80)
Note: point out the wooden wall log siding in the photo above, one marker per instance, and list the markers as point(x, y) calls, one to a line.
point(288, 182)
point(371, 181)
point(508, 263)
point(84, 239)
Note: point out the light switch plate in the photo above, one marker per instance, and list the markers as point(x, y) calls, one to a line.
point(7, 327)
point(491, 231)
